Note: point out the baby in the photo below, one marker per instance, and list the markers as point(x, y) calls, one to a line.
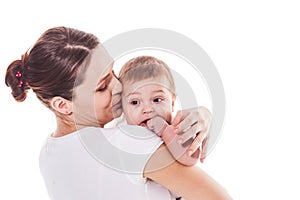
point(148, 98)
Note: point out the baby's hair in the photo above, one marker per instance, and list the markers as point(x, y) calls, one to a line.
point(51, 67)
point(144, 67)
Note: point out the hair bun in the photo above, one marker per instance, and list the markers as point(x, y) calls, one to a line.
point(15, 79)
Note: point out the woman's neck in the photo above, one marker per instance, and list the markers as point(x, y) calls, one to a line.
point(62, 132)
point(67, 126)
point(64, 127)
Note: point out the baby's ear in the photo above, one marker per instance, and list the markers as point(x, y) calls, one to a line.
point(173, 102)
point(61, 105)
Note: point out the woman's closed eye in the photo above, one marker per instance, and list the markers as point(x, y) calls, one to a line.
point(102, 88)
point(105, 83)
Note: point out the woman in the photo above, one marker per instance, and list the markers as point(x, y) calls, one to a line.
point(71, 73)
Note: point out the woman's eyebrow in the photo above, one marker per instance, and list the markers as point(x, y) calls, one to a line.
point(104, 78)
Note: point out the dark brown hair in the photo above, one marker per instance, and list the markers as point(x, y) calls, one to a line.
point(51, 66)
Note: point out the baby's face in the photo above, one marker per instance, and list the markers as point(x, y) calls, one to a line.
point(142, 100)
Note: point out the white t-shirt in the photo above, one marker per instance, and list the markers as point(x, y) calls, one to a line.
point(101, 164)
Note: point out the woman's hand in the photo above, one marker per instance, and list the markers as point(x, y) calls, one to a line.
point(193, 124)
point(168, 134)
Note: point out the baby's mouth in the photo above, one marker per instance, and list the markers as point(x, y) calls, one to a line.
point(144, 123)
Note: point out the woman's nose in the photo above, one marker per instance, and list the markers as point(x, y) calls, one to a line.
point(116, 86)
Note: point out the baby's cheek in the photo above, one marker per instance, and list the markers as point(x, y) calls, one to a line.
point(131, 119)
point(164, 112)
point(128, 113)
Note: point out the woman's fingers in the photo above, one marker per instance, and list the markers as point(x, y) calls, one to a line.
point(177, 119)
point(187, 123)
point(193, 129)
point(204, 149)
point(197, 143)
point(187, 131)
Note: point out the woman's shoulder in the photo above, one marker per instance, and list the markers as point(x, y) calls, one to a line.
point(122, 132)
point(126, 137)
point(135, 131)
point(128, 147)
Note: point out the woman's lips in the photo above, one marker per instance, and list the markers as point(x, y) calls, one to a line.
point(116, 102)
point(117, 109)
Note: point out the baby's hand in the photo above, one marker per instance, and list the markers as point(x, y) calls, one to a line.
point(157, 125)
point(168, 134)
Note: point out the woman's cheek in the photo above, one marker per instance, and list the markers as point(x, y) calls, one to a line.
point(103, 100)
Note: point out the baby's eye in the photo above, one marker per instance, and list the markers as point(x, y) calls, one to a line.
point(134, 102)
point(157, 100)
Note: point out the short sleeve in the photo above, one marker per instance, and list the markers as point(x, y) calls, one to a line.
point(125, 148)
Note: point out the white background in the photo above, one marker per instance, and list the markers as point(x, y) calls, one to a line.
point(255, 46)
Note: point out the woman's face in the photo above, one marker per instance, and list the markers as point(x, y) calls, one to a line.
point(98, 99)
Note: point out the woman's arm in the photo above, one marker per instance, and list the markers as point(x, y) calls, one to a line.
point(189, 182)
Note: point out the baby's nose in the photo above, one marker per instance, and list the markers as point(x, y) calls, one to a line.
point(148, 108)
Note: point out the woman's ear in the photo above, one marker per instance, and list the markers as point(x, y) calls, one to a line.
point(61, 105)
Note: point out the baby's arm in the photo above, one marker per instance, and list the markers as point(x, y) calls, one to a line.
point(170, 138)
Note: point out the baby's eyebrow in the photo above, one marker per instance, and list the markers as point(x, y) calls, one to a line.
point(157, 91)
point(138, 93)
point(132, 93)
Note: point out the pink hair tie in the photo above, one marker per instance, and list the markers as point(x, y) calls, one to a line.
point(20, 83)
point(18, 74)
